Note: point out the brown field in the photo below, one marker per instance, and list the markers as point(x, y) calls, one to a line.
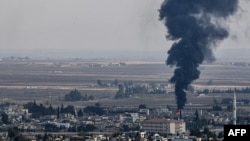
point(48, 81)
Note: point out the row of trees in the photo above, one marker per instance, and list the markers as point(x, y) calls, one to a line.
point(236, 90)
point(100, 83)
point(227, 101)
point(39, 110)
point(128, 88)
point(95, 110)
point(14, 133)
point(76, 128)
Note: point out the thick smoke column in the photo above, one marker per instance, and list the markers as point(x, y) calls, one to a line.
point(195, 26)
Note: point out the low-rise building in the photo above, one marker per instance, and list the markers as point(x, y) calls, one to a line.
point(164, 126)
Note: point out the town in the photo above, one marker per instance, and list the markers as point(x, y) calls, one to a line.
point(43, 100)
point(39, 121)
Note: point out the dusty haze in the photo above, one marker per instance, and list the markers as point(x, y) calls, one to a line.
point(99, 29)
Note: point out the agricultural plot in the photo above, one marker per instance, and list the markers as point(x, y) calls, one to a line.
point(48, 81)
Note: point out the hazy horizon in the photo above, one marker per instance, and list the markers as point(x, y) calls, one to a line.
point(100, 29)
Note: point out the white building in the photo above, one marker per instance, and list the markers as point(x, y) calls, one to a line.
point(164, 126)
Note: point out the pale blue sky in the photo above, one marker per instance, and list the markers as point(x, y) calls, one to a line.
point(95, 28)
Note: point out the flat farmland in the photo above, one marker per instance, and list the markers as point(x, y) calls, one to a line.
point(48, 81)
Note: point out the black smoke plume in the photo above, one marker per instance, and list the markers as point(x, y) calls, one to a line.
point(195, 27)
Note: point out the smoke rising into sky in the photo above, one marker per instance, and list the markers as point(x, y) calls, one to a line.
point(195, 26)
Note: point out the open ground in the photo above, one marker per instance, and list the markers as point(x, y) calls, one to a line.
point(47, 81)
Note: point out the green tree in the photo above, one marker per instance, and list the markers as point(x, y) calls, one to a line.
point(5, 118)
point(13, 132)
point(51, 128)
point(153, 85)
point(45, 137)
point(21, 138)
point(230, 107)
point(195, 132)
point(206, 91)
point(97, 104)
point(208, 133)
point(91, 97)
point(74, 95)
point(62, 108)
point(196, 116)
point(116, 82)
point(120, 92)
point(90, 127)
point(221, 135)
point(80, 113)
point(94, 110)
point(121, 88)
point(15, 135)
point(99, 82)
point(137, 136)
point(69, 109)
point(226, 101)
point(217, 108)
point(86, 128)
point(39, 110)
point(58, 112)
point(142, 106)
